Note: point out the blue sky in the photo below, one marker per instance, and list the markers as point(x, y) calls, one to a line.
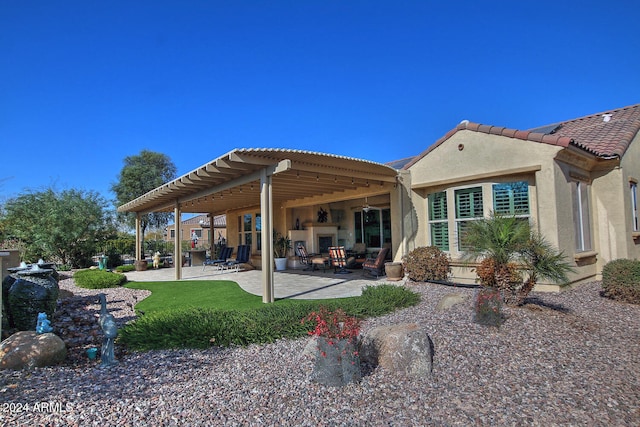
point(85, 83)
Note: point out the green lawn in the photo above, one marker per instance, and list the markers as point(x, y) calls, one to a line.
point(213, 294)
point(198, 314)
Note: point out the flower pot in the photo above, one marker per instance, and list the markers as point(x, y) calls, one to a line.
point(92, 353)
point(281, 264)
point(141, 264)
point(394, 271)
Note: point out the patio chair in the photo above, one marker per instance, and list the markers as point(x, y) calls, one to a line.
point(310, 260)
point(338, 259)
point(225, 254)
point(242, 256)
point(375, 266)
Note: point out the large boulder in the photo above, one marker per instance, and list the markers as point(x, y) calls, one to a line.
point(31, 293)
point(404, 349)
point(27, 349)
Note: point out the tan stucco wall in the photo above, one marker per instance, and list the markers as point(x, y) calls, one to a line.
point(631, 170)
point(474, 158)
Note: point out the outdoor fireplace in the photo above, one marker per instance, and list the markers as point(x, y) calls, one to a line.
point(324, 242)
point(318, 236)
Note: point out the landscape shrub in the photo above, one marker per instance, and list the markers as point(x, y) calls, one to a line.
point(113, 258)
point(621, 280)
point(98, 279)
point(202, 328)
point(427, 263)
point(125, 268)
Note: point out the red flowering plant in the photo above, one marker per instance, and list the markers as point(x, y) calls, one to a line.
point(333, 325)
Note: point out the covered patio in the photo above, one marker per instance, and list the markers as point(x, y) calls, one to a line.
point(293, 284)
point(281, 189)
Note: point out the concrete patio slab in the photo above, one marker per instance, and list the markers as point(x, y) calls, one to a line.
point(296, 284)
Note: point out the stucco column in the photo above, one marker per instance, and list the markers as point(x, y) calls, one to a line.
point(177, 250)
point(138, 237)
point(266, 211)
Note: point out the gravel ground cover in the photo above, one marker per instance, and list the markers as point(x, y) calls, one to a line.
point(569, 359)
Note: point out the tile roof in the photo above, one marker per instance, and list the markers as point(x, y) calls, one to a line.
point(607, 134)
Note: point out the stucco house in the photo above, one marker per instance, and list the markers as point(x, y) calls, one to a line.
point(201, 226)
point(575, 180)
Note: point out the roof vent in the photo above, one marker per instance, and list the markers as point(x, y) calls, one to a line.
point(606, 117)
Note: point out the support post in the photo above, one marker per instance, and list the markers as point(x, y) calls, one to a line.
point(177, 250)
point(138, 238)
point(266, 211)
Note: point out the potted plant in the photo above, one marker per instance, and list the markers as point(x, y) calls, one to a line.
point(281, 246)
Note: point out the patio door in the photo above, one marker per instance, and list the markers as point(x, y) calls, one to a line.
point(373, 227)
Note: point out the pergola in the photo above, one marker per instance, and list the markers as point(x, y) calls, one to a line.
point(244, 178)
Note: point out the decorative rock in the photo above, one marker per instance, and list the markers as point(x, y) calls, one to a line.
point(29, 295)
point(27, 349)
point(336, 362)
point(450, 300)
point(311, 348)
point(404, 349)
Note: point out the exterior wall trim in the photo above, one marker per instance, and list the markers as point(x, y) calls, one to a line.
point(460, 180)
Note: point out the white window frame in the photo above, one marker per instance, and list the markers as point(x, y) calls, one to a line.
point(460, 221)
point(581, 216)
point(633, 188)
point(487, 191)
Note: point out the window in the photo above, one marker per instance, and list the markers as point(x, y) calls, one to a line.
point(581, 216)
point(245, 229)
point(172, 233)
point(511, 198)
point(634, 205)
point(373, 227)
point(197, 231)
point(438, 222)
point(247, 234)
point(258, 232)
point(633, 186)
point(468, 208)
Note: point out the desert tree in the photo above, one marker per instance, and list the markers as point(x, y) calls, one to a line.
point(140, 174)
point(61, 226)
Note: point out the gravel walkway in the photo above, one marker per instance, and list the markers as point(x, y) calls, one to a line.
point(570, 359)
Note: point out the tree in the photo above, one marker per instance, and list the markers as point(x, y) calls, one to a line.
point(64, 227)
point(139, 175)
point(514, 257)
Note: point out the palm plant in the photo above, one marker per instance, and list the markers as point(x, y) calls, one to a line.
point(281, 245)
point(514, 255)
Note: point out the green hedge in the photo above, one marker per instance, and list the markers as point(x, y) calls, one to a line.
point(125, 268)
point(621, 280)
point(201, 328)
point(98, 279)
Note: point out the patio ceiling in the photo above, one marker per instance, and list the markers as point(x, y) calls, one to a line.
point(232, 181)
